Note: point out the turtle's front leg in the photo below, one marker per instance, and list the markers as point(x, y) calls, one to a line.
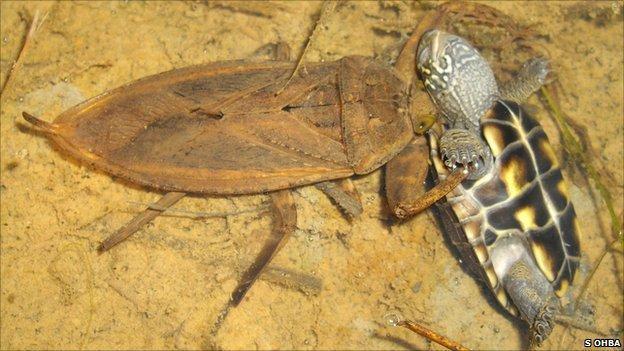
point(529, 79)
point(465, 148)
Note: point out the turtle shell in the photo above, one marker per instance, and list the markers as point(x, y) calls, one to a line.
point(524, 194)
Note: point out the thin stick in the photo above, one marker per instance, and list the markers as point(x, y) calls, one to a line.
point(585, 285)
point(433, 336)
point(325, 8)
point(402, 210)
point(137, 222)
point(35, 24)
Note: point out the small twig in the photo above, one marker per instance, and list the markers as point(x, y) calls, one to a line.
point(583, 289)
point(324, 9)
point(427, 333)
point(35, 24)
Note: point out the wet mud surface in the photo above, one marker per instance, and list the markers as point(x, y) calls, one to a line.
point(335, 281)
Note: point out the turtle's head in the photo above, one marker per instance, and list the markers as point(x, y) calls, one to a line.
point(456, 76)
point(434, 60)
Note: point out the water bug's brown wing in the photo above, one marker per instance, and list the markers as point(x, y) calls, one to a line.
point(217, 128)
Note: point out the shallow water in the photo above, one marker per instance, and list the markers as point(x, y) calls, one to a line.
point(166, 286)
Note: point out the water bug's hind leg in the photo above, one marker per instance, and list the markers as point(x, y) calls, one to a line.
point(344, 194)
point(284, 223)
point(465, 148)
point(140, 220)
point(528, 80)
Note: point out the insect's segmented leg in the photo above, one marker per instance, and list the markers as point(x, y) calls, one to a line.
point(405, 210)
point(406, 174)
point(345, 195)
point(284, 224)
point(141, 219)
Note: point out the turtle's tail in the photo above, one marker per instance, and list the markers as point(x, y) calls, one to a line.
point(534, 297)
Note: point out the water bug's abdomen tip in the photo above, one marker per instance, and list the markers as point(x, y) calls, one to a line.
point(39, 123)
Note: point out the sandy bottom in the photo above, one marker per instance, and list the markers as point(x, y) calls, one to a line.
point(334, 282)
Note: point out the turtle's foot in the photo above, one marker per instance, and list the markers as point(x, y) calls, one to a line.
point(537, 69)
point(544, 322)
point(464, 148)
point(533, 74)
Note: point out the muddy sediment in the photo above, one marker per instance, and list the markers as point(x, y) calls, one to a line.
point(336, 280)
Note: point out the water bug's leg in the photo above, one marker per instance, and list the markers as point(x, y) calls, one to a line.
point(406, 173)
point(279, 51)
point(284, 223)
point(432, 195)
point(405, 177)
point(141, 219)
point(344, 194)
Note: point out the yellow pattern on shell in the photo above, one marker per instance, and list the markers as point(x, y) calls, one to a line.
point(543, 258)
point(472, 230)
point(513, 175)
point(526, 217)
point(501, 295)
point(562, 288)
point(562, 187)
point(492, 276)
point(548, 152)
point(482, 253)
point(494, 138)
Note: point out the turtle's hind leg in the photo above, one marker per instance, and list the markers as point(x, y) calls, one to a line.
point(533, 296)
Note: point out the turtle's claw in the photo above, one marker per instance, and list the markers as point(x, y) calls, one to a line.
point(462, 148)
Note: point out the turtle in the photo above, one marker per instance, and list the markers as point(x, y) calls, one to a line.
point(511, 219)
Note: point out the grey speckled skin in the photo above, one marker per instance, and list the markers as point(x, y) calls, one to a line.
point(462, 84)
